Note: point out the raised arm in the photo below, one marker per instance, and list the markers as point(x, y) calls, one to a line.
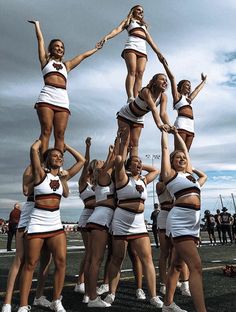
point(174, 91)
point(80, 160)
point(163, 110)
point(199, 87)
point(146, 94)
point(37, 169)
point(84, 174)
point(115, 31)
point(202, 177)
point(166, 170)
point(28, 181)
point(79, 58)
point(42, 52)
point(152, 173)
point(153, 45)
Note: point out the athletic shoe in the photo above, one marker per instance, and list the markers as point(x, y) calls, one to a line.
point(156, 301)
point(172, 308)
point(109, 298)
point(6, 307)
point(185, 292)
point(163, 289)
point(57, 306)
point(24, 309)
point(41, 302)
point(102, 289)
point(98, 303)
point(184, 288)
point(80, 288)
point(140, 295)
point(85, 299)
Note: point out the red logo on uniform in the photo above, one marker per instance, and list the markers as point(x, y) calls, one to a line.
point(57, 66)
point(54, 184)
point(139, 188)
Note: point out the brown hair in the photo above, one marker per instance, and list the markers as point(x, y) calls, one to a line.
point(172, 155)
point(152, 83)
point(180, 84)
point(47, 155)
point(50, 46)
point(131, 14)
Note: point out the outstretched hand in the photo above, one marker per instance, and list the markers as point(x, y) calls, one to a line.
point(173, 130)
point(111, 148)
point(203, 77)
point(165, 128)
point(32, 22)
point(99, 45)
point(88, 141)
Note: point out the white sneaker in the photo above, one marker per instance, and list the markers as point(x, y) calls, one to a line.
point(110, 298)
point(24, 309)
point(140, 295)
point(57, 306)
point(172, 308)
point(185, 289)
point(80, 288)
point(185, 292)
point(6, 307)
point(102, 289)
point(85, 299)
point(156, 301)
point(42, 302)
point(163, 289)
point(98, 303)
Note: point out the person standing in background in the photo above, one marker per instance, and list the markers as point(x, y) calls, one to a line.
point(14, 218)
point(153, 217)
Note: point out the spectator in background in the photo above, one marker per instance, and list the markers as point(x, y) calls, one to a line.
point(209, 220)
point(225, 220)
point(153, 217)
point(218, 225)
point(14, 218)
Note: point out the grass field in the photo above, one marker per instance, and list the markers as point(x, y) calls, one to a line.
point(220, 291)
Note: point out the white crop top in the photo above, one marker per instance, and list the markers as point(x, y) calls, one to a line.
point(141, 105)
point(49, 187)
point(87, 193)
point(55, 68)
point(104, 192)
point(134, 24)
point(133, 189)
point(183, 184)
point(184, 103)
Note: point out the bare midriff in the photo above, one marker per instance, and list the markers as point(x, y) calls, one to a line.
point(54, 79)
point(134, 206)
point(186, 110)
point(49, 202)
point(189, 199)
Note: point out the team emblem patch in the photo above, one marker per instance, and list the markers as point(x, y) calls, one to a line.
point(139, 188)
point(57, 66)
point(191, 178)
point(54, 184)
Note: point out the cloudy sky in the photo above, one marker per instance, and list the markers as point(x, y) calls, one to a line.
point(195, 36)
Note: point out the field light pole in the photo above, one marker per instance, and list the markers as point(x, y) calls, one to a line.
point(152, 157)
